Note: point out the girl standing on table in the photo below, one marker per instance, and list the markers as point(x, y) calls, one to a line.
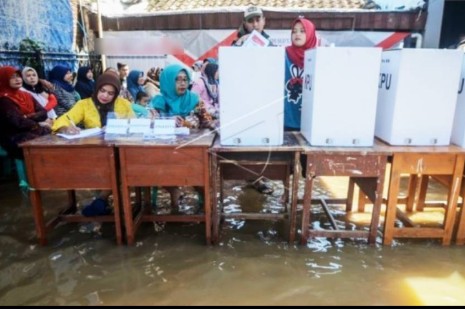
point(303, 37)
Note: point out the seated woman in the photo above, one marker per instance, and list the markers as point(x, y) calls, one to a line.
point(22, 118)
point(136, 81)
point(32, 85)
point(85, 82)
point(92, 113)
point(61, 76)
point(176, 100)
point(206, 86)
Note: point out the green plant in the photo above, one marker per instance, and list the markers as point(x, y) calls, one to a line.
point(32, 55)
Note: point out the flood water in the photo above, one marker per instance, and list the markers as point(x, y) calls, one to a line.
point(252, 265)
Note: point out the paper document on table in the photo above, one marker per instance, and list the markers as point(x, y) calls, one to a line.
point(117, 126)
point(141, 125)
point(82, 133)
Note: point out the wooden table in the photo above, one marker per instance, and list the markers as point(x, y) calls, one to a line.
point(445, 181)
point(419, 162)
point(55, 163)
point(179, 161)
point(366, 168)
point(252, 162)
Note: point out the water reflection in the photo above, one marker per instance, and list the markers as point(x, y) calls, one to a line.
point(252, 265)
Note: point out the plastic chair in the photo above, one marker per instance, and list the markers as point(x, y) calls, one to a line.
point(21, 172)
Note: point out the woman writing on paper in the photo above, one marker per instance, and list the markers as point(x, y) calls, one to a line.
point(92, 112)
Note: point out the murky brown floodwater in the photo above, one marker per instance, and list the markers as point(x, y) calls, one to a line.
point(252, 265)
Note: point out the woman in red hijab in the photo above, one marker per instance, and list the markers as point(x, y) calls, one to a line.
point(303, 37)
point(21, 117)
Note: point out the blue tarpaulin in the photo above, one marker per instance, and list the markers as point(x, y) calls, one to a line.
point(49, 23)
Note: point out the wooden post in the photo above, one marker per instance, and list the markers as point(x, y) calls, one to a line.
point(100, 35)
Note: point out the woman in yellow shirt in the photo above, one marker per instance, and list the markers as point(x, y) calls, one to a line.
point(93, 112)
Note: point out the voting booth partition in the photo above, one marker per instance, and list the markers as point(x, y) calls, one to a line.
point(251, 96)
point(417, 96)
point(339, 96)
point(458, 129)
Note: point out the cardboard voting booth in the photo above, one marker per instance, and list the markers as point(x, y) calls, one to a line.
point(251, 95)
point(339, 96)
point(417, 96)
point(458, 129)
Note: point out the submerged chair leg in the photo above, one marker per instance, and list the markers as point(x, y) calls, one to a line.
point(154, 195)
point(21, 171)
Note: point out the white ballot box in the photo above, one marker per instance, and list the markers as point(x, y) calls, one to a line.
point(251, 95)
point(458, 129)
point(417, 96)
point(340, 88)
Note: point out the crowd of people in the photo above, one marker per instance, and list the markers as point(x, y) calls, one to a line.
point(31, 107)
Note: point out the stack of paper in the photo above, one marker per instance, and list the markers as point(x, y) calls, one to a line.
point(82, 133)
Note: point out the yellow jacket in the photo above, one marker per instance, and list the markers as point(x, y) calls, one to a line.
point(85, 111)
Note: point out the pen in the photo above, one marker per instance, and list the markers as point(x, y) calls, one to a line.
point(71, 121)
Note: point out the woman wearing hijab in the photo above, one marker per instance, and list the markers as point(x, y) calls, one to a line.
point(93, 112)
point(303, 37)
point(32, 85)
point(85, 82)
point(21, 117)
point(207, 88)
point(176, 100)
point(61, 77)
point(135, 83)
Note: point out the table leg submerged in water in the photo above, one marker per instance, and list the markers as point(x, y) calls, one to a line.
point(365, 170)
point(48, 168)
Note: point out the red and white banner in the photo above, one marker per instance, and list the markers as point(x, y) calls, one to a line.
point(145, 49)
